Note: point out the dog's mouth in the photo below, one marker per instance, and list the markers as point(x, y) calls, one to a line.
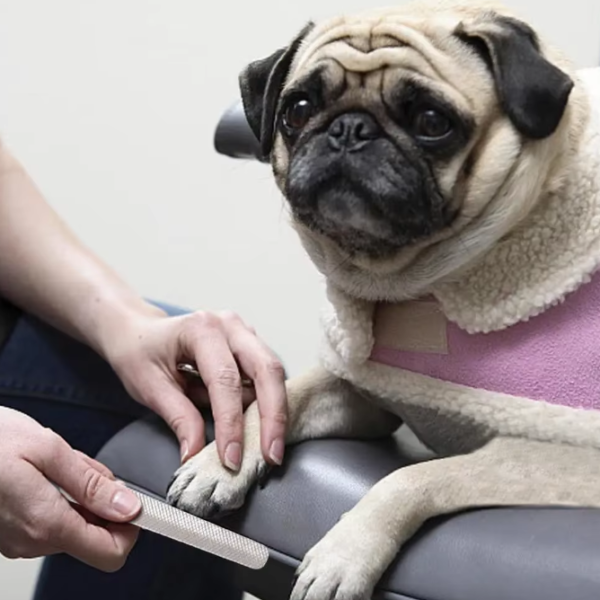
point(348, 216)
point(372, 204)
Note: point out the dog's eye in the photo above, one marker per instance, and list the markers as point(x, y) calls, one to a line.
point(297, 113)
point(431, 124)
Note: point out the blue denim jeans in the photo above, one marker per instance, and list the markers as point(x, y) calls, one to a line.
point(67, 387)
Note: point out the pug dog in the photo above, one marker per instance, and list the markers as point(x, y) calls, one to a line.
point(441, 164)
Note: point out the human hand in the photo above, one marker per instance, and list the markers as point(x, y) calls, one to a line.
point(37, 520)
point(146, 350)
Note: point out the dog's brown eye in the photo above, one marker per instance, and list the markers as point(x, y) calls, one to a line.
point(297, 114)
point(431, 124)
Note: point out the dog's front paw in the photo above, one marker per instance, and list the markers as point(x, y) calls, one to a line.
point(337, 568)
point(204, 487)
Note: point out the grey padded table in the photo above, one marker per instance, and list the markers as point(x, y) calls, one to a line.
point(492, 554)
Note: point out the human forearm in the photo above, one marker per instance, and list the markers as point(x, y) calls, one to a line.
point(47, 271)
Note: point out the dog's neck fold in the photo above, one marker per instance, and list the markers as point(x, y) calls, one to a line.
point(534, 268)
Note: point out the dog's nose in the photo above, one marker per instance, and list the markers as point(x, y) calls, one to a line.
point(352, 131)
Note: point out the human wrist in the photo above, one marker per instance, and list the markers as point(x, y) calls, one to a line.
point(115, 319)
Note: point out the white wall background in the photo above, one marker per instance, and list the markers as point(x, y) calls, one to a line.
point(112, 106)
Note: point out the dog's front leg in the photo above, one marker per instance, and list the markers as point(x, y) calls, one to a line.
point(319, 405)
point(349, 561)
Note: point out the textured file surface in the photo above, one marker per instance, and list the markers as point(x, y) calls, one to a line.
point(164, 519)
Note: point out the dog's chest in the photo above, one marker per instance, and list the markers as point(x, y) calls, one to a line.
point(554, 357)
point(420, 329)
point(457, 391)
point(444, 431)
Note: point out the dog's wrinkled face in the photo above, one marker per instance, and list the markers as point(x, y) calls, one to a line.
point(364, 155)
point(392, 131)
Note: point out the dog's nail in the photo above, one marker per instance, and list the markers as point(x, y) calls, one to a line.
point(170, 484)
point(233, 456)
point(276, 451)
point(264, 475)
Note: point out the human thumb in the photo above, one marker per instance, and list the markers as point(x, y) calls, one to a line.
point(90, 486)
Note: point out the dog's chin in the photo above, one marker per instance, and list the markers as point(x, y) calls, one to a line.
point(360, 228)
point(358, 232)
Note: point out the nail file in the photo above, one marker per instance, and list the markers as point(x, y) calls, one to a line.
point(166, 520)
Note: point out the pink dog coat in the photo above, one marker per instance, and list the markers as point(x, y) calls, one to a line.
point(553, 357)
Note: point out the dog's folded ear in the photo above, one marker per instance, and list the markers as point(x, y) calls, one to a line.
point(261, 83)
point(533, 92)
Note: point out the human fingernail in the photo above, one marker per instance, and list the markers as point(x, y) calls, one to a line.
point(233, 456)
point(185, 451)
point(276, 451)
point(126, 503)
